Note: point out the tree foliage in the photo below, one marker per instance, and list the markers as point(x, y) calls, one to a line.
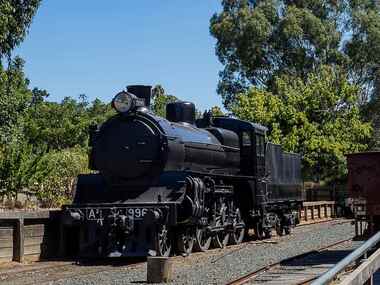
point(50, 148)
point(363, 46)
point(216, 111)
point(16, 157)
point(318, 118)
point(63, 125)
point(54, 175)
point(15, 19)
point(16, 167)
point(309, 70)
point(258, 41)
point(14, 99)
point(160, 100)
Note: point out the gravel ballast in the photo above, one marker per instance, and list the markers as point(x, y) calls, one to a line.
point(214, 267)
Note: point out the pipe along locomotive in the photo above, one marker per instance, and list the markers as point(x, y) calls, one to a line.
point(178, 183)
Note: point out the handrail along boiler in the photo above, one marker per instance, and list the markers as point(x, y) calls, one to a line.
point(179, 183)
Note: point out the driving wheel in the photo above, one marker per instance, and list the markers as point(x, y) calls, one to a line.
point(185, 241)
point(221, 237)
point(202, 239)
point(237, 236)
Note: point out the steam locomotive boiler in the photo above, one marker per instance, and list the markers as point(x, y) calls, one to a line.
point(179, 183)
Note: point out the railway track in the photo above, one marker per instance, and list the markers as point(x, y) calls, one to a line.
point(300, 269)
point(52, 271)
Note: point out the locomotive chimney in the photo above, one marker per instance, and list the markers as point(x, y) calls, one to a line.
point(141, 91)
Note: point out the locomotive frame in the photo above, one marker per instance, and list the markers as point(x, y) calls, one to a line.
point(180, 184)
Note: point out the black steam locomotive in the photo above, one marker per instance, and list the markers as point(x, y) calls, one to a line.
point(179, 183)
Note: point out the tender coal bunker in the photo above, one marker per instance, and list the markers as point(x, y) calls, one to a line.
point(127, 149)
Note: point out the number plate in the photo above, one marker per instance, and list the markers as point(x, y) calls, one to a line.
point(136, 213)
point(95, 214)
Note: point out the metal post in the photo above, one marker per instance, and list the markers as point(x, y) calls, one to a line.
point(305, 213)
point(159, 269)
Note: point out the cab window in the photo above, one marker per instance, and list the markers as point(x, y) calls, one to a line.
point(260, 145)
point(246, 139)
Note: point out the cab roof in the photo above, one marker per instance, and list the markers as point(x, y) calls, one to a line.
point(238, 125)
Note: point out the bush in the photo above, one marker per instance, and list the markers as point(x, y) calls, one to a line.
point(55, 176)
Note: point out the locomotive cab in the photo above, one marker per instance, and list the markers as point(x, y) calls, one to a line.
point(251, 142)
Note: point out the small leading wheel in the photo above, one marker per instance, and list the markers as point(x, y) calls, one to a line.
point(185, 241)
point(202, 240)
point(163, 243)
point(237, 236)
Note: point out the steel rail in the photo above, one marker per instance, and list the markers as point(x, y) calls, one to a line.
point(353, 256)
point(246, 278)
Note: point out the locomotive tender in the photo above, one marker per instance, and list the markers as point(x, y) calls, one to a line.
point(179, 183)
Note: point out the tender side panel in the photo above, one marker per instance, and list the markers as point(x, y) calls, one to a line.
point(284, 171)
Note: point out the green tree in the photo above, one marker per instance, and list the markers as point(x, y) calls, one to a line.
point(14, 99)
point(260, 40)
point(160, 100)
point(318, 118)
point(99, 111)
point(55, 126)
point(216, 111)
point(363, 45)
point(53, 175)
point(15, 155)
point(16, 167)
point(38, 96)
point(15, 19)
point(42, 144)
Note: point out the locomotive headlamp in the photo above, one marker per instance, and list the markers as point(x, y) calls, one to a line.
point(124, 102)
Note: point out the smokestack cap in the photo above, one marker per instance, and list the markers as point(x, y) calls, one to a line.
point(141, 91)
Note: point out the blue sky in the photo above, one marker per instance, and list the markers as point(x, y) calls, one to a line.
point(99, 47)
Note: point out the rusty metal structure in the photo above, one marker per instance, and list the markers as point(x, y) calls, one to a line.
point(364, 189)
